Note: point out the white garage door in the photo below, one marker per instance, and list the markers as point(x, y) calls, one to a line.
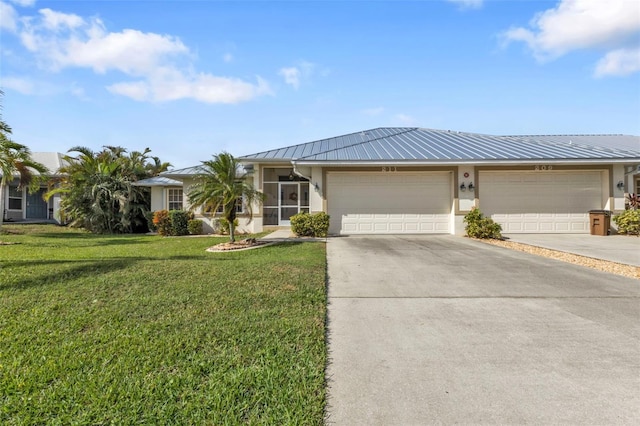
point(389, 203)
point(541, 202)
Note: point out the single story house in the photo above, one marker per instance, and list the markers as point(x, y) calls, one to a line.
point(21, 205)
point(416, 180)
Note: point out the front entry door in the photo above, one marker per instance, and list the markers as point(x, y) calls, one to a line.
point(36, 206)
point(288, 202)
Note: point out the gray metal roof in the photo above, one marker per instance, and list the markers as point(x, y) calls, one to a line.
point(53, 161)
point(418, 145)
point(158, 181)
point(621, 142)
point(196, 170)
point(187, 171)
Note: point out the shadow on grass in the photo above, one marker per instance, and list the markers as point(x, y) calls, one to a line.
point(89, 268)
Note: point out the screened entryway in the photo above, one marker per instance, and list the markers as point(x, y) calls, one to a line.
point(286, 194)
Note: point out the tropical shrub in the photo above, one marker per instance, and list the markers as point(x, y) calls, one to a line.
point(179, 222)
point(301, 224)
point(150, 224)
point(195, 227)
point(99, 192)
point(224, 227)
point(306, 225)
point(162, 222)
point(628, 222)
point(478, 226)
point(320, 224)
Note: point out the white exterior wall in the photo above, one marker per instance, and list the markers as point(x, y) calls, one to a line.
point(158, 198)
point(316, 195)
point(618, 194)
point(466, 199)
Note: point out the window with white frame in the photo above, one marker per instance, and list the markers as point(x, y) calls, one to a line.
point(239, 205)
point(15, 198)
point(175, 196)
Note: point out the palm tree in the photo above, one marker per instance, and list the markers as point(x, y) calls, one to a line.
point(220, 185)
point(99, 192)
point(16, 158)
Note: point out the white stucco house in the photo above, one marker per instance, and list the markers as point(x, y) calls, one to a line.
point(416, 180)
point(22, 205)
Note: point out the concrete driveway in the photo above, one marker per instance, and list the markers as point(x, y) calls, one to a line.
point(442, 329)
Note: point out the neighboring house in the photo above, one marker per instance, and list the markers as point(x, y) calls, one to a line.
point(414, 180)
point(21, 205)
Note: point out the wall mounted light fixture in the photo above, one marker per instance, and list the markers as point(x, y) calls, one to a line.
point(463, 187)
point(620, 185)
point(291, 176)
point(471, 187)
point(316, 186)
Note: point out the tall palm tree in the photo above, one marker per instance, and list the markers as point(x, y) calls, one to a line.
point(15, 159)
point(219, 185)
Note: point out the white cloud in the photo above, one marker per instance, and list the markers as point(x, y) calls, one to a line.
point(19, 84)
point(171, 86)
point(24, 3)
point(293, 76)
point(55, 21)
point(373, 111)
point(60, 40)
point(579, 24)
point(619, 62)
point(468, 4)
point(405, 119)
point(29, 86)
point(8, 17)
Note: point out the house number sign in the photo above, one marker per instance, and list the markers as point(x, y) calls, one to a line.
point(543, 167)
point(389, 169)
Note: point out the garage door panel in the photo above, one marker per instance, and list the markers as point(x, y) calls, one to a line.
point(389, 203)
point(542, 202)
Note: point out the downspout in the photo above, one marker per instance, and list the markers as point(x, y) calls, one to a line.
point(299, 173)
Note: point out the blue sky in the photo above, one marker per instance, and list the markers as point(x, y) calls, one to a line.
point(189, 79)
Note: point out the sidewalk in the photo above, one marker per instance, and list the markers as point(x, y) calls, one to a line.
point(287, 235)
point(622, 249)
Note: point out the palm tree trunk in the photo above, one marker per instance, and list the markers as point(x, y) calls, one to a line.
point(232, 235)
point(3, 184)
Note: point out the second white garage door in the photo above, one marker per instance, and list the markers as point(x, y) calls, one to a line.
point(389, 203)
point(541, 202)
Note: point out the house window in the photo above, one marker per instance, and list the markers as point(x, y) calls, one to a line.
point(175, 199)
point(15, 198)
point(238, 206)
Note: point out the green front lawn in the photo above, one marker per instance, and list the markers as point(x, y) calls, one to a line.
point(152, 330)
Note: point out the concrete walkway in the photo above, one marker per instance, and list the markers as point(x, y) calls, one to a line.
point(615, 248)
point(446, 330)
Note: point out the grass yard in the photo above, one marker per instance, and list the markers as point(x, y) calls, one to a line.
point(152, 330)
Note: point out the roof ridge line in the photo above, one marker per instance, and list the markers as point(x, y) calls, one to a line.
point(408, 129)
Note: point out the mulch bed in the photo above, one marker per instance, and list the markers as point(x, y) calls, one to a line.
point(247, 244)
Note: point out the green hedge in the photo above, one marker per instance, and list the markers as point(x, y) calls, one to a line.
point(174, 222)
point(478, 226)
point(195, 227)
point(628, 222)
point(306, 225)
point(179, 222)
